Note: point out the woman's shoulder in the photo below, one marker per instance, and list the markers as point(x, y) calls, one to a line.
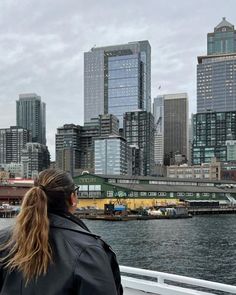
point(73, 233)
point(5, 234)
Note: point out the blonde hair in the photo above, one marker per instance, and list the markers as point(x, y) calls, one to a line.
point(30, 251)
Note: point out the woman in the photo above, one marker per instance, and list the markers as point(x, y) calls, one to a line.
point(51, 252)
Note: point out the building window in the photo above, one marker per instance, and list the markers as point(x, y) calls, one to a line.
point(162, 194)
point(83, 188)
point(109, 193)
point(180, 194)
point(94, 187)
point(153, 182)
point(143, 194)
point(152, 194)
point(205, 195)
point(111, 180)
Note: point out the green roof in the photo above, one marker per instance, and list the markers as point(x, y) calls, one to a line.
point(174, 188)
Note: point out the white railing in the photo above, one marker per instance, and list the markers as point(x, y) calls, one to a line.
point(162, 283)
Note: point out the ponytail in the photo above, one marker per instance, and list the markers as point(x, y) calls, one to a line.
point(30, 251)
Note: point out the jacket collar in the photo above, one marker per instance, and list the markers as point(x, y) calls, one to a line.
point(57, 221)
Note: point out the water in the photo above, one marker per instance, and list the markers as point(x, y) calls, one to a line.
point(200, 247)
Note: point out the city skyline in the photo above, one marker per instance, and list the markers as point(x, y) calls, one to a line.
point(44, 52)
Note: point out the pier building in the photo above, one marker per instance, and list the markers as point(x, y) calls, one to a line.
point(135, 192)
point(144, 191)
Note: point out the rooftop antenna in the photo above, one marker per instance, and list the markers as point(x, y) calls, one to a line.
point(93, 47)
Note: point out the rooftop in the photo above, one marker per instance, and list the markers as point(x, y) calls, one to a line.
point(152, 178)
point(200, 58)
point(175, 188)
point(116, 46)
point(224, 23)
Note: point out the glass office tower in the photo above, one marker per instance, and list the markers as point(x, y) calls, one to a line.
point(124, 93)
point(216, 83)
point(111, 156)
point(117, 79)
point(216, 72)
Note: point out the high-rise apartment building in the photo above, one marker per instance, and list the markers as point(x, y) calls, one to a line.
point(35, 157)
point(139, 132)
point(12, 141)
point(31, 115)
point(108, 124)
point(214, 136)
point(117, 79)
point(216, 72)
point(103, 125)
point(75, 144)
point(68, 148)
point(175, 127)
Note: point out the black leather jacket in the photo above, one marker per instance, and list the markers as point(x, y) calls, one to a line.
point(83, 264)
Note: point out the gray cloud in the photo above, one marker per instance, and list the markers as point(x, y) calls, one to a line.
point(42, 45)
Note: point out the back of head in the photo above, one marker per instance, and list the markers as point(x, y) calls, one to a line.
point(30, 251)
point(58, 186)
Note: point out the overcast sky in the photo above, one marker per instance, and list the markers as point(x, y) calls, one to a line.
point(42, 44)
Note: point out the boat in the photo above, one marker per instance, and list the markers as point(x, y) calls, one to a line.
point(138, 281)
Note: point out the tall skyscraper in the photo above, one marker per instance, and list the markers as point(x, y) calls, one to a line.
point(117, 79)
point(175, 126)
point(31, 115)
point(216, 72)
point(139, 132)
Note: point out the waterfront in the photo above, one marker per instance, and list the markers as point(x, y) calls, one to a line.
point(200, 247)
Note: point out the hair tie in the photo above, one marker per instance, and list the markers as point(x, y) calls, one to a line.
point(42, 187)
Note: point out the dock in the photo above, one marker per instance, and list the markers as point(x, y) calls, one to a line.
point(212, 210)
point(131, 217)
